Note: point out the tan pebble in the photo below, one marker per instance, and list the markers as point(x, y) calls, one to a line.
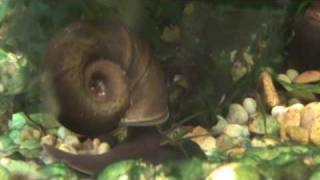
point(309, 113)
point(87, 144)
point(236, 151)
point(95, 143)
point(298, 134)
point(48, 139)
point(103, 147)
point(290, 118)
point(265, 142)
point(36, 134)
point(307, 77)
point(71, 140)
point(315, 132)
point(271, 96)
point(283, 133)
point(67, 148)
point(205, 140)
point(309, 161)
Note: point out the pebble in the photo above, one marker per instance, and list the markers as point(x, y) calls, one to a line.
point(278, 110)
point(284, 78)
point(236, 131)
point(237, 114)
point(292, 74)
point(67, 148)
point(71, 140)
point(103, 147)
point(250, 105)
point(48, 139)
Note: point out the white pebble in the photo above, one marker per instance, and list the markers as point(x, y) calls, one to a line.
point(278, 110)
point(250, 105)
point(292, 74)
point(297, 106)
point(63, 132)
point(237, 114)
point(103, 147)
point(236, 131)
point(284, 78)
point(71, 140)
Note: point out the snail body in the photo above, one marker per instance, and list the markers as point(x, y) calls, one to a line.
point(102, 77)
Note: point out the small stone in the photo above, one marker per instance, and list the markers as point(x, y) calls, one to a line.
point(265, 142)
point(307, 77)
point(277, 110)
point(67, 148)
point(284, 78)
point(103, 147)
point(36, 134)
point(271, 97)
point(71, 140)
point(236, 131)
point(48, 139)
point(206, 142)
point(298, 134)
point(290, 118)
point(87, 144)
point(310, 112)
point(297, 106)
point(46, 158)
point(236, 151)
point(95, 143)
point(292, 74)
point(250, 105)
point(264, 125)
point(237, 114)
point(219, 127)
point(315, 132)
point(63, 132)
point(225, 142)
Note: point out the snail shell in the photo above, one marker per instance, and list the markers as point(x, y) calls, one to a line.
point(103, 77)
point(304, 47)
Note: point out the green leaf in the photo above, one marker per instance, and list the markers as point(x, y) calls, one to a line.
point(310, 88)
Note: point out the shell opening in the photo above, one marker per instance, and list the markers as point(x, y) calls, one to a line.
point(98, 86)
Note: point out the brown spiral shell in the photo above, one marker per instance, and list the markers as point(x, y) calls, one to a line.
point(101, 76)
point(304, 47)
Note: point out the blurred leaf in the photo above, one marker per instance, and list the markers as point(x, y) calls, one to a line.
point(309, 88)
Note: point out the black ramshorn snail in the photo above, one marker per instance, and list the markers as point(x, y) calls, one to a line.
point(103, 77)
point(304, 48)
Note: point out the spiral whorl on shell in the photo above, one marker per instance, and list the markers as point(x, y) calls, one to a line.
point(102, 76)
